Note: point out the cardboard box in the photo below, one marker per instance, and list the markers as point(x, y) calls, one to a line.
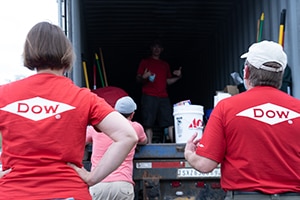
point(219, 96)
point(228, 91)
point(231, 89)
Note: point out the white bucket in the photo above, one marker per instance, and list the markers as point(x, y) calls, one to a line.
point(188, 119)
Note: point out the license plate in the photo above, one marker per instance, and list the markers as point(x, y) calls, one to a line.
point(190, 172)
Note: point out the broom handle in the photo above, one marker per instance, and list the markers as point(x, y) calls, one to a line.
point(100, 73)
point(85, 75)
point(103, 67)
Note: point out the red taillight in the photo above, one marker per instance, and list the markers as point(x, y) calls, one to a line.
point(175, 184)
point(215, 185)
point(200, 184)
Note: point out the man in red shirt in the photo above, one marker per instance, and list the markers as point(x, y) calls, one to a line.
point(254, 135)
point(155, 75)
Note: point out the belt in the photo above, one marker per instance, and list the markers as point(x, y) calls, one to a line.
point(260, 193)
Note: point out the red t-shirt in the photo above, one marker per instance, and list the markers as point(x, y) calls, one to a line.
point(162, 72)
point(255, 136)
point(43, 124)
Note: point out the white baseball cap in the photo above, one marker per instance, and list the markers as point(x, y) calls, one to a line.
point(125, 105)
point(266, 51)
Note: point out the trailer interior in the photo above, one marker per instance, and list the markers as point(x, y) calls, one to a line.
point(124, 29)
point(205, 37)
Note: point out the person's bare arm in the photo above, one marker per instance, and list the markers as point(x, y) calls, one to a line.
point(139, 78)
point(172, 80)
point(200, 163)
point(120, 130)
point(177, 76)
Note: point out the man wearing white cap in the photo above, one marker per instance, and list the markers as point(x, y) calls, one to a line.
point(119, 184)
point(254, 135)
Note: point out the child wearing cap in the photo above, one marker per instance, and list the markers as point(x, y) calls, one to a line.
point(119, 184)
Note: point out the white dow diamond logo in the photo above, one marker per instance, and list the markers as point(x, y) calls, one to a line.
point(37, 108)
point(269, 113)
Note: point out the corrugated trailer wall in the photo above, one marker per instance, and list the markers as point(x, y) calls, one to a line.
point(239, 31)
point(233, 38)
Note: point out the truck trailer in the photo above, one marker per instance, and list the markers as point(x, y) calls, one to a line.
point(205, 37)
point(161, 172)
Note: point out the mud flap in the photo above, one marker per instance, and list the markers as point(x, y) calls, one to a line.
point(151, 189)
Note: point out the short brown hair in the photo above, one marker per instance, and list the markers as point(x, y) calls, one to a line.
point(156, 42)
point(47, 46)
point(261, 77)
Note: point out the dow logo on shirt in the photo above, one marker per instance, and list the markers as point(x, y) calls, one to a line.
point(269, 113)
point(37, 108)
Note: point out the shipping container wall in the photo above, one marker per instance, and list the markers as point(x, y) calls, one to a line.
point(235, 34)
point(240, 30)
point(71, 22)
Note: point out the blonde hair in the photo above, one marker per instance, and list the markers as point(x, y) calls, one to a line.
point(47, 47)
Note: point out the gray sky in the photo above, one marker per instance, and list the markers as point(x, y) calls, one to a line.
point(16, 19)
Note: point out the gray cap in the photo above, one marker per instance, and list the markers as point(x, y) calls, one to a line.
point(125, 105)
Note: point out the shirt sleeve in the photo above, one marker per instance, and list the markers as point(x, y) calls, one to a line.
point(140, 132)
point(142, 67)
point(213, 144)
point(99, 109)
point(169, 74)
